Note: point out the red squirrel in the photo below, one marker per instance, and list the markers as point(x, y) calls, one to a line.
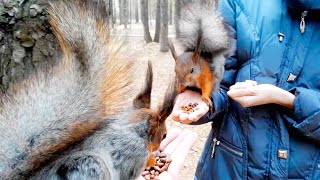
point(206, 46)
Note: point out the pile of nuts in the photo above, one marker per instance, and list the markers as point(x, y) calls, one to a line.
point(190, 108)
point(162, 164)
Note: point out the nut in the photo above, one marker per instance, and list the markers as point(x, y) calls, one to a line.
point(162, 164)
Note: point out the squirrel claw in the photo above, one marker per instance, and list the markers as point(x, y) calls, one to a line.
point(209, 103)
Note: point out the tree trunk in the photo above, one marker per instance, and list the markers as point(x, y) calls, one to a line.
point(110, 18)
point(26, 40)
point(136, 10)
point(121, 13)
point(170, 12)
point(177, 16)
point(130, 12)
point(150, 12)
point(164, 46)
point(158, 24)
point(145, 21)
point(125, 13)
point(114, 13)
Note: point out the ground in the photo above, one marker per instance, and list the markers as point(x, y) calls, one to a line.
point(163, 67)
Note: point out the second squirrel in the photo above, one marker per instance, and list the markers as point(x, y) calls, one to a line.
point(206, 46)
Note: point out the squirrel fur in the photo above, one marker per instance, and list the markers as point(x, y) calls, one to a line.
point(206, 45)
point(73, 121)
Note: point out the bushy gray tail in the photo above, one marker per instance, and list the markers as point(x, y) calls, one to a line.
point(202, 16)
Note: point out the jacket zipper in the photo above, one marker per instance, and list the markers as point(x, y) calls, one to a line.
point(302, 22)
point(223, 145)
point(215, 143)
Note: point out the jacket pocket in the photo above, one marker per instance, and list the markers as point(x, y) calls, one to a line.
point(230, 148)
point(228, 161)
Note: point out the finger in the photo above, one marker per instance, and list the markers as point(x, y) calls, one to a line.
point(241, 85)
point(175, 115)
point(171, 135)
point(193, 117)
point(241, 92)
point(254, 83)
point(249, 101)
point(184, 118)
point(186, 121)
point(180, 153)
point(175, 143)
point(200, 112)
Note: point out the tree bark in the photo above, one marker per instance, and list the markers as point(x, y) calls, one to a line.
point(164, 45)
point(125, 13)
point(145, 21)
point(110, 18)
point(177, 17)
point(130, 12)
point(170, 12)
point(158, 22)
point(114, 14)
point(26, 40)
point(121, 18)
point(136, 10)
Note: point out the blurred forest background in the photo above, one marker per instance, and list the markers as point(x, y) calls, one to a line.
point(27, 42)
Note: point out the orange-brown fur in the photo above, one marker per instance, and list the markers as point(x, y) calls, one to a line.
point(205, 82)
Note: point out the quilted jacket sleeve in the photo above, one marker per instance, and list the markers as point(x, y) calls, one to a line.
point(220, 99)
point(307, 112)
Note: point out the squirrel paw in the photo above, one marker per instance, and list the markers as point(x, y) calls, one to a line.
point(151, 160)
point(209, 103)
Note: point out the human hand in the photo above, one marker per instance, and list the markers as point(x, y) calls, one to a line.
point(177, 145)
point(184, 99)
point(250, 94)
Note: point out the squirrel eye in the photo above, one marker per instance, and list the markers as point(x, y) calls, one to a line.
point(191, 71)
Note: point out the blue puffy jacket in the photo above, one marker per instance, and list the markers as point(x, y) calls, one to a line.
point(277, 42)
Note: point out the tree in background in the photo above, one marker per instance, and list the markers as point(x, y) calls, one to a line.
point(121, 18)
point(145, 20)
point(164, 47)
point(158, 22)
point(26, 40)
point(114, 14)
point(177, 10)
point(170, 12)
point(136, 10)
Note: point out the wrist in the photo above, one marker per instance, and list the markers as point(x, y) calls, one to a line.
point(285, 99)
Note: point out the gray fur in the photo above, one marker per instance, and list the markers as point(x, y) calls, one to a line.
point(73, 121)
point(37, 117)
point(118, 149)
point(218, 65)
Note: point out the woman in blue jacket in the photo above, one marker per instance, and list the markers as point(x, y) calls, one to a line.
point(266, 119)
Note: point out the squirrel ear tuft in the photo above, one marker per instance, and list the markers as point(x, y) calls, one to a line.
point(143, 100)
point(168, 102)
point(197, 51)
point(173, 51)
